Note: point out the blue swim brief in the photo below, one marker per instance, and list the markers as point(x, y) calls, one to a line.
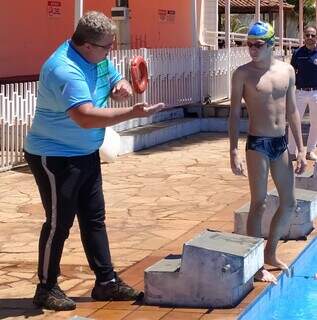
point(272, 147)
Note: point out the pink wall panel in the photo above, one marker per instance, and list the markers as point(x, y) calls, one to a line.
point(175, 31)
point(28, 34)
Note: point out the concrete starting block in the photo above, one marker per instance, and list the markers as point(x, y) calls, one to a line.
point(215, 270)
point(301, 221)
point(307, 180)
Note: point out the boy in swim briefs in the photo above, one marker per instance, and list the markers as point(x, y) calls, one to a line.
point(268, 87)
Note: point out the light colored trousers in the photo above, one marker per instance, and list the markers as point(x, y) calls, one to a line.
point(304, 98)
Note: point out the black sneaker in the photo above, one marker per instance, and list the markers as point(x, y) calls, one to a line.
point(115, 290)
point(53, 299)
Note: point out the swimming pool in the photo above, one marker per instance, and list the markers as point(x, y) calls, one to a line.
point(292, 298)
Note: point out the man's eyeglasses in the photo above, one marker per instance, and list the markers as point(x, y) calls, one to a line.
point(257, 45)
point(106, 47)
point(308, 35)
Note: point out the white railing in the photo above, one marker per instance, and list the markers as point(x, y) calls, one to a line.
point(176, 77)
point(288, 43)
point(17, 106)
point(214, 71)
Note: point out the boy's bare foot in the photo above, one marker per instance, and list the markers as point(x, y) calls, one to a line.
point(265, 276)
point(275, 262)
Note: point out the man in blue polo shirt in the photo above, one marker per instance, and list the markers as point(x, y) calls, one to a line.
point(61, 149)
point(304, 61)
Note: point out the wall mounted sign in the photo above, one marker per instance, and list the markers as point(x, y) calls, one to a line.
point(166, 15)
point(54, 8)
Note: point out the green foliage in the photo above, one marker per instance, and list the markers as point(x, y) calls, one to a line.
point(235, 24)
point(309, 10)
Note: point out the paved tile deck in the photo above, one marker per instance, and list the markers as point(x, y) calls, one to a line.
point(156, 199)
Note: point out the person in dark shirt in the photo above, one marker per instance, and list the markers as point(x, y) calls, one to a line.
point(304, 61)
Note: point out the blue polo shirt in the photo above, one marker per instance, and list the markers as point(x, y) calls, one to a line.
point(68, 80)
point(304, 62)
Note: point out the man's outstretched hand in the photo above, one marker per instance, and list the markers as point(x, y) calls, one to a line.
point(145, 110)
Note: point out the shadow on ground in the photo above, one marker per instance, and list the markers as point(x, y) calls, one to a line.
point(18, 307)
point(180, 143)
point(163, 147)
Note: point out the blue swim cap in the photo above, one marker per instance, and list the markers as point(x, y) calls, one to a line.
point(262, 31)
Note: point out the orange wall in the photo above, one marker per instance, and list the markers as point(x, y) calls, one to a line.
point(28, 35)
point(145, 21)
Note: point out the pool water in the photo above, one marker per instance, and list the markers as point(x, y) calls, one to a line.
point(292, 298)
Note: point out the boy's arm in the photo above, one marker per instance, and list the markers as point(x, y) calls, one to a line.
point(234, 121)
point(294, 122)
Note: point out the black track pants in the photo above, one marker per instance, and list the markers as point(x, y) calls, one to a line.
point(70, 186)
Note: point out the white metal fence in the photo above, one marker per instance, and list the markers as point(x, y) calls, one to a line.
point(214, 71)
point(176, 77)
point(17, 106)
point(288, 43)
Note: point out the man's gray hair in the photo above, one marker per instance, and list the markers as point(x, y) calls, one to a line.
point(92, 26)
point(310, 27)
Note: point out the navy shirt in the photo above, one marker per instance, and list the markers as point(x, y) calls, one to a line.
point(304, 62)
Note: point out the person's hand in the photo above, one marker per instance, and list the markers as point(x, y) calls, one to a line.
point(121, 91)
point(145, 110)
point(301, 163)
point(237, 165)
